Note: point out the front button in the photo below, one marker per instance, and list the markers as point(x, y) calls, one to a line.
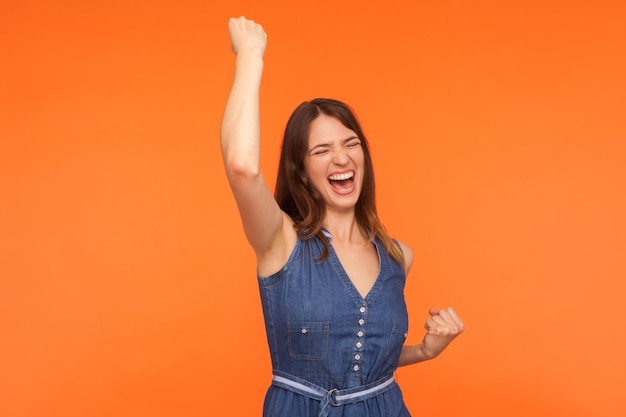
point(359, 344)
point(356, 367)
point(357, 356)
point(361, 321)
point(304, 331)
point(360, 334)
point(362, 309)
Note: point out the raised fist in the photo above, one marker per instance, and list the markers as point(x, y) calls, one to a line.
point(246, 36)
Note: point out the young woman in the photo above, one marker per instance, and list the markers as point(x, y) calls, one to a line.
point(331, 279)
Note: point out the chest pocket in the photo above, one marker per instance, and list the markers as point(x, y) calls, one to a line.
point(308, 340)
point(396, 341)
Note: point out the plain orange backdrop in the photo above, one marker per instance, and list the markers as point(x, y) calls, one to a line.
point(497, 129)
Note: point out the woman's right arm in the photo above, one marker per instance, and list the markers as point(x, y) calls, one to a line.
point(267, 228)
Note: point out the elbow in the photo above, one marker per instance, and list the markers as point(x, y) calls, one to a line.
point(241, 169)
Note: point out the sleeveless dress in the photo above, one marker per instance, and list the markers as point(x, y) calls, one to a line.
point(322, 333)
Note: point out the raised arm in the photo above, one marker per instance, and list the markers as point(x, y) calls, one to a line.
point(267, 228)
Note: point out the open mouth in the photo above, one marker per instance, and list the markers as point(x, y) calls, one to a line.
point(342, 182)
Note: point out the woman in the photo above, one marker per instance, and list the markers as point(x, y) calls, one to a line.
point(330, 277)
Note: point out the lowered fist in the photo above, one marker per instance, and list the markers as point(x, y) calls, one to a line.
point(441, 328)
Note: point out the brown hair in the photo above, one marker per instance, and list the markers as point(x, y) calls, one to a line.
point(300, 200)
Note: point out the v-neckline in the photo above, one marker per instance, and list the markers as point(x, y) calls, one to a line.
point(344, 274)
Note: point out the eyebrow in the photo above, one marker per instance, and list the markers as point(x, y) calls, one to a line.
point(326, 145)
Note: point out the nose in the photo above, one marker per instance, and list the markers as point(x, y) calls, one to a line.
point(340, 157)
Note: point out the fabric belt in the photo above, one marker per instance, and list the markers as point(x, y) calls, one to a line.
point(334, 397)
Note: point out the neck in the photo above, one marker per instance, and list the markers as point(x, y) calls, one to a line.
point(344, 227)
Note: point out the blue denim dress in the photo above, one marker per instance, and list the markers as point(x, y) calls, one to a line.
point(323, 334)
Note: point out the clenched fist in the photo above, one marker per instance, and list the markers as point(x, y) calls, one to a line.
point(441, 328)
point(246, 36)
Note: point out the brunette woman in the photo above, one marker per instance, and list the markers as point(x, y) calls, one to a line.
point(331, 279)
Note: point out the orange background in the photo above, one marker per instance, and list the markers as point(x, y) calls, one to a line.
point(497, 130)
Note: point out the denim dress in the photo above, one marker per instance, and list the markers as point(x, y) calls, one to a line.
point(326, 337)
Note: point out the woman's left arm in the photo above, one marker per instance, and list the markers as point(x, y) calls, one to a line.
point(441, 328)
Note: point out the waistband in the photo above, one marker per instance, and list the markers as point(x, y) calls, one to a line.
point(334, 397)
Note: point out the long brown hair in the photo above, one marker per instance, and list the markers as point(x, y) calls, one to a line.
point(301, 201)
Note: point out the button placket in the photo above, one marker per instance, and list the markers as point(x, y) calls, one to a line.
point(359, 342)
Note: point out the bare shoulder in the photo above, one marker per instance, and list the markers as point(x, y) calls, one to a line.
point(408, 256)
point(280, 249)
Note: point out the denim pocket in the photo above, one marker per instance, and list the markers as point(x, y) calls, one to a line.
point(399, 332)
point(308, 340)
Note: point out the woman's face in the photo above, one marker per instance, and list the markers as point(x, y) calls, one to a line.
point(334, 163)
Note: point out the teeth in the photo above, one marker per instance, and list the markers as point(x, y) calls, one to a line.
point(340, 177)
